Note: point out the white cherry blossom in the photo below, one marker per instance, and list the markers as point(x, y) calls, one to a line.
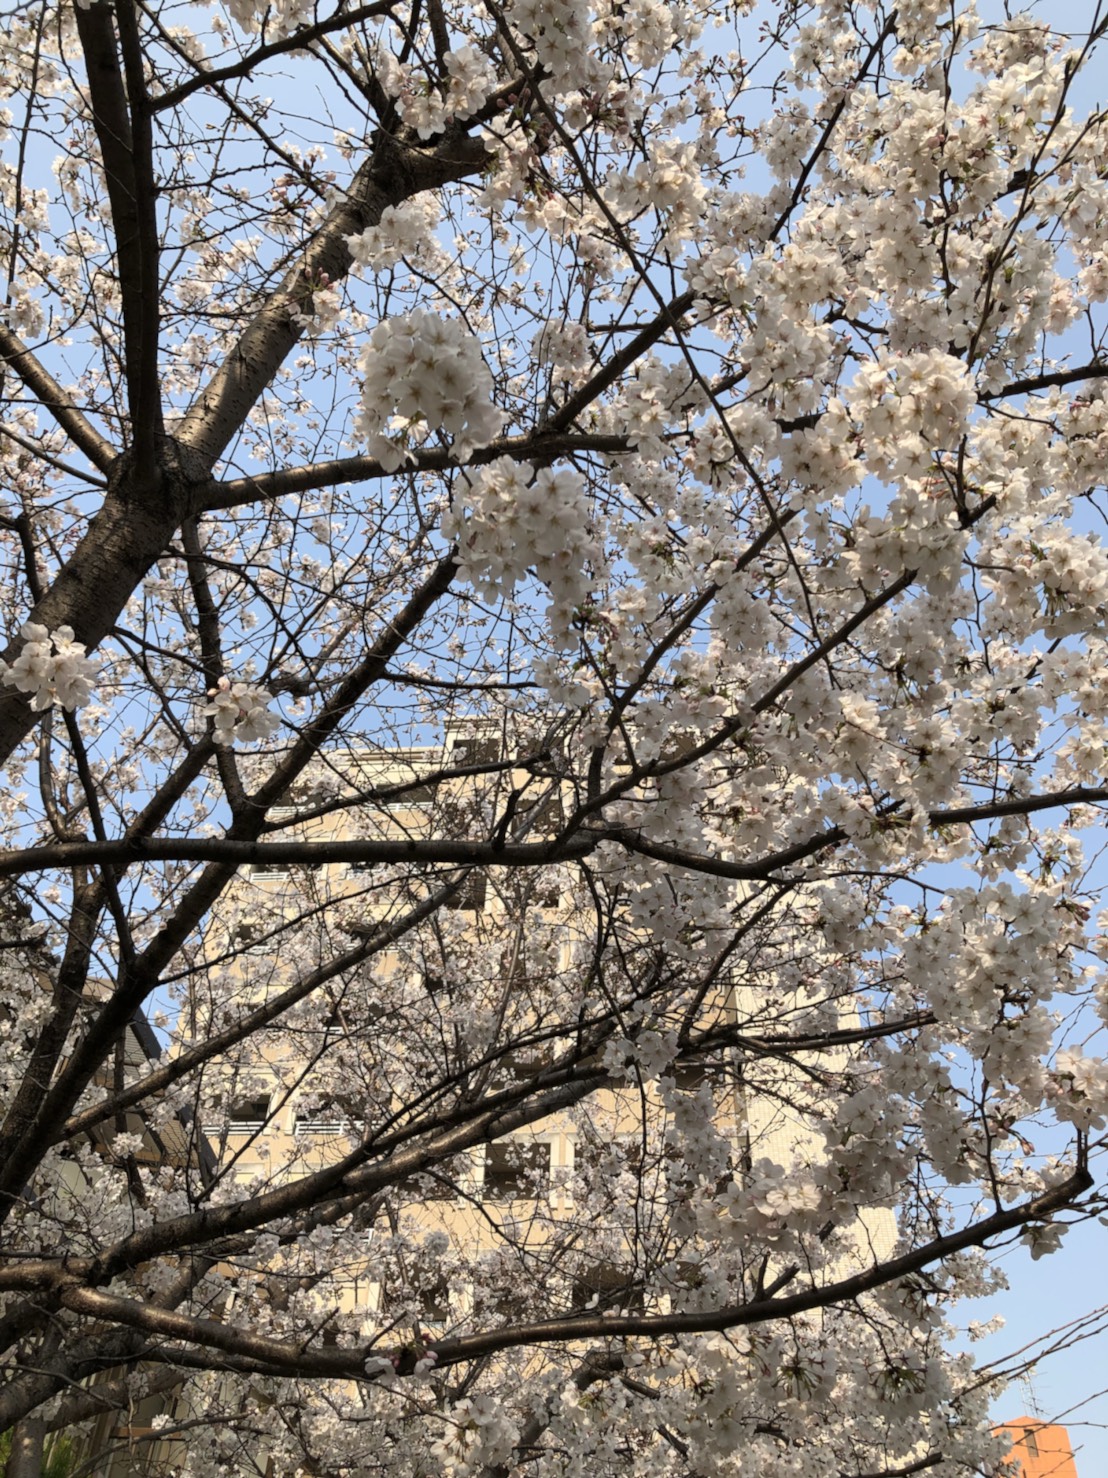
point(241, 712)
point(428, 370)
point(52, 668)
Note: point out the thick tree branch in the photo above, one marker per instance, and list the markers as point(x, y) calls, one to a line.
point(141, 513)
point(474, 853)
point(53, 399)
point(1039, 1208)
point(1096, 369)
point(536, 446)
point(395, 171)
point(297, 40)
point(117, 94)
point(360, 1173)
point(294, 1358)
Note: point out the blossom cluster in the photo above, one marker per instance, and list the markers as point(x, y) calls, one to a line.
point(403, 231)
point(280, 19)
point(565, 347)
point(322, 304)
point(52, 667)
point(509, 518)
point(241, 712)
point(428, 111)
point(429, 370)
point(561, 33)
point(480, 1434)
point(910, 407)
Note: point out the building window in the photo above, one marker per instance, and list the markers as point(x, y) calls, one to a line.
point(348, 1020)
point(338, 1113)
point(471, 895)
point(250, 938)
point(412, 797)
point(249, 1113)
point(690, 1077)
point(517, 1170)
point(245, 1116)
point(475, 751)
point(608, 1287)
point(434, 1303)
point(428, 1303)
point(544, 815)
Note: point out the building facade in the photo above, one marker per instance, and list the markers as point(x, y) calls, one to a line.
point(1039, 1449)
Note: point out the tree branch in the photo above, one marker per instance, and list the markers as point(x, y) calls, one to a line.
point(296, 41)
point(141, 977)
point(538, 446)
point(475, 853)
point(295, 1358)
point(470, 1347)
point(117, 95)
point(50, 395)
point(395, 171)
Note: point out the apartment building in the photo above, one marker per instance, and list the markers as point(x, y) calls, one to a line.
point(476, 1005)
point(117, 1435)
point(489, 1000)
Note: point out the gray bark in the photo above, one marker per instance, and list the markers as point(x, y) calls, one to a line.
point(26, 1454)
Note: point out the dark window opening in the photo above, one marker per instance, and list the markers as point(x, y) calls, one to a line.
point(411, 795)
point(471, 895)
point(431, 1303)
point(434, 1303)
point(250, 938)
point(690, 1077)
point(544, 814)
point(247, 1114)
point(516, 1170)
point(608, 1287)
point(475, 752)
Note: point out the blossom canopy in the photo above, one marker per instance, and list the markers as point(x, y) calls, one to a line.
point(555, 619)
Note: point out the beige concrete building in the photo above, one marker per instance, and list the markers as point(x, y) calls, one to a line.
point(302, 1095)
point(282, 1112)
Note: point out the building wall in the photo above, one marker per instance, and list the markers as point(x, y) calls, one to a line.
point(1041, 1449)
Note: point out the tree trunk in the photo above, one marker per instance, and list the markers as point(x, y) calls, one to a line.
point(26, 1454)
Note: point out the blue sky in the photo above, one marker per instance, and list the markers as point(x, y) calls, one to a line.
point(1070, 1385)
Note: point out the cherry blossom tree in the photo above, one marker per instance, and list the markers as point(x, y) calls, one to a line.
point(603, 498)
